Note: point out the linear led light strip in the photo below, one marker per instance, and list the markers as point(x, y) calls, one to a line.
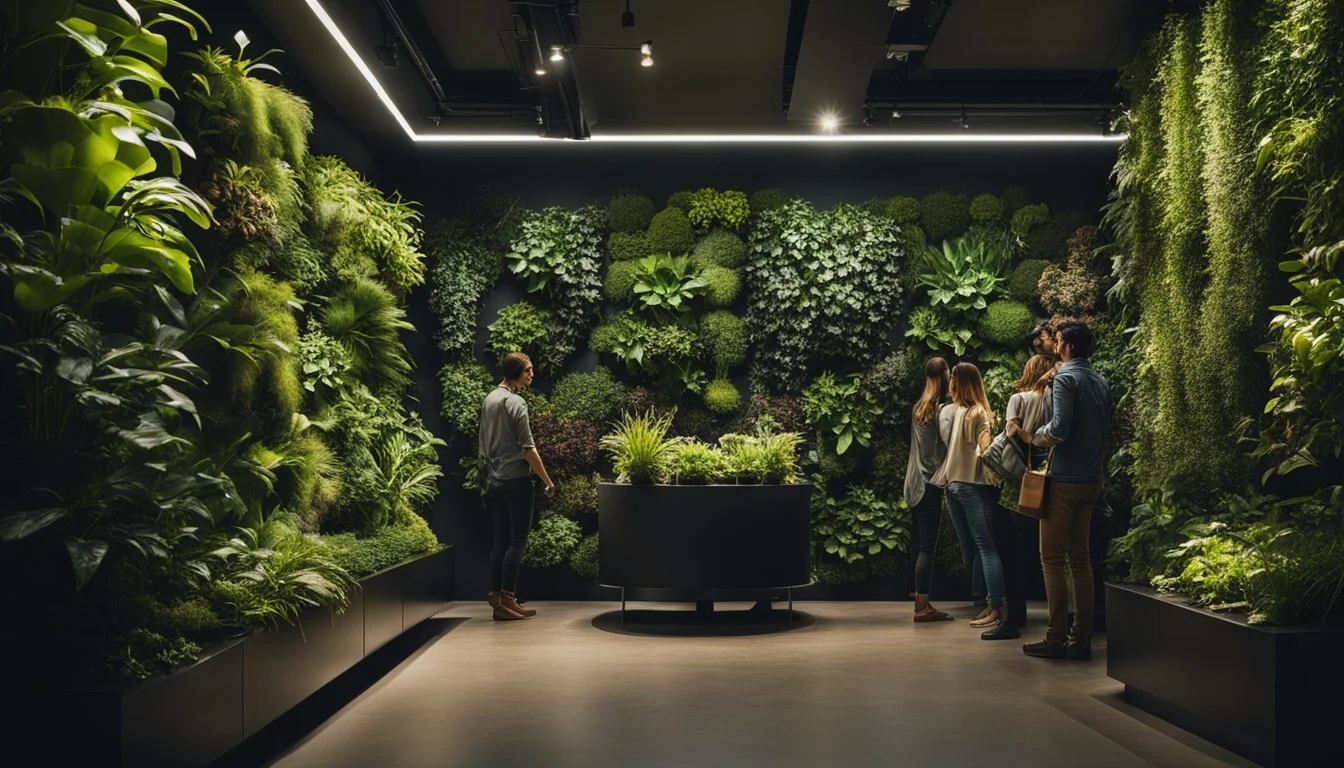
point(694, 138)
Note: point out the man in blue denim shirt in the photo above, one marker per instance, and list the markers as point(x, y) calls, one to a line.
point(1078, 432)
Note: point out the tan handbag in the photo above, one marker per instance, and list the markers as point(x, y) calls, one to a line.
point(1033, 498)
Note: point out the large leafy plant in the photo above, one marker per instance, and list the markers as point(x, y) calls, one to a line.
point(860, 525)
point(960, 277)
point(666, 285)
point(841, 410)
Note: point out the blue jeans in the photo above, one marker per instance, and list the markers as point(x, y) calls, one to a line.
point(975, 505)
point(970, 556)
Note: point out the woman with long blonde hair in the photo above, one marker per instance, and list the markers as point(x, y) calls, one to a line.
point(967, 427)
point(922, 496)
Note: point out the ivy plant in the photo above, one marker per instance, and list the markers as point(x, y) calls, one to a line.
point(462, 269)
point(559, 253)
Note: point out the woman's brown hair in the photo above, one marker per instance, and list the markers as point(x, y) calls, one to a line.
point(1033, 374)
point(968, 390)
point(935, 390)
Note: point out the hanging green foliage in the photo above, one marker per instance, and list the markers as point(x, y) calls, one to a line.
point(462, 270)
point(246, 118)
point(559, 252)
point(366, 319)
point(521, 327)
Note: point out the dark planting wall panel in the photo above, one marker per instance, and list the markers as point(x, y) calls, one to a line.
point(1066, 177)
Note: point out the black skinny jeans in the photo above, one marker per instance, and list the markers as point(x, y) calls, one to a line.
point(1014, 537)
point(510, 502)
point(927, 515)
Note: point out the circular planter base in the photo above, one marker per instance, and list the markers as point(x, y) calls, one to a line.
point(693, 623)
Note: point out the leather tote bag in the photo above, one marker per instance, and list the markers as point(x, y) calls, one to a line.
point(1033, 498)
point(1006, 457)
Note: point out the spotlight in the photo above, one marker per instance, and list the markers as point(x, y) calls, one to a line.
point(646, 47)
point(895, 114)
point(627, 18)
point(647, 61)
point(540, 71)
point(388, 55)
point(830, 123)
point(557, 53)
point(900, 5)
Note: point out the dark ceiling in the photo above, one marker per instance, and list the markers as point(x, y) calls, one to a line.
point(723, 66)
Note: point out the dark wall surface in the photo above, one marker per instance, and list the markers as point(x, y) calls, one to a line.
point(568, 174)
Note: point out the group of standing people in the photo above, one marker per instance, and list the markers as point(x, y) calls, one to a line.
point(1060, 418)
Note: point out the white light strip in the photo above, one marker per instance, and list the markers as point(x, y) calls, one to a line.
point(695, 138)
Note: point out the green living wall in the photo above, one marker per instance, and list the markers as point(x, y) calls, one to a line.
point(734, 315)
point(206, 392)
point(1228, 217)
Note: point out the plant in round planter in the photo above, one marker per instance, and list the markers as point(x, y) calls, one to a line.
point(695, 463)
point(767, 457)
point(639, 448)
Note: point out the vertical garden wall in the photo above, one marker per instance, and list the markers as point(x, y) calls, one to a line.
point(206, 389)
point(1228, 218)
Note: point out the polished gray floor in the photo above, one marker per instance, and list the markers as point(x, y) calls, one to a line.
point(863, 686)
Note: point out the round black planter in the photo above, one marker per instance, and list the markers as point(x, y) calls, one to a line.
point(704, 537)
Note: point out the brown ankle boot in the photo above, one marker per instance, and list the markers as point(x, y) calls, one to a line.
point(504, 614)
point(493, 599)
point(507, 600)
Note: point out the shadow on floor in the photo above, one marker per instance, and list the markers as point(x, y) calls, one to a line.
point(298, 724)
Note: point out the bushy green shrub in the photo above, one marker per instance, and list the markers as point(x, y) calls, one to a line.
point(721, 396)
point(860, 525)
point(584, 562)
point(1014, 198)
point(986, 210)
point(629, 212)
point(628, 246)
point(462, 269)
point(696, 463)
point(1048, 240)
point(728, 208)
point(891, 452)
point(725, 336)
point(720, 248)
point(552, 542)
point(361, 224)
point(464, 387)
point(521, 327)
point(1028, 217)
point(840, 410)
point(680, 200)
point(575, 496)
point(620, 283)
point(365, 318)
point(904, 210)
point(766, 456)
point(766, 200)
point(592, 396)
point(384, 549)
point(643, 347)
point(999, 386)
point(722, 285)
point(1022, 283)
point(896, 381)
point(1006, 323)
point(570, 445)
point(944, 215)
point(670, 232)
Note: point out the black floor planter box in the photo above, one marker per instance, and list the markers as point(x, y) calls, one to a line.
point(1263, 692)
point(197, 714)
point(691, 537)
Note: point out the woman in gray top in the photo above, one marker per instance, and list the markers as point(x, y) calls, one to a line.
point(925, 500)
point(510, 457)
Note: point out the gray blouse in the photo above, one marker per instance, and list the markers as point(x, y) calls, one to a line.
point(927, 451)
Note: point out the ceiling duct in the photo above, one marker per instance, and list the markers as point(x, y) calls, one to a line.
point(842, 40)
point(543, 26)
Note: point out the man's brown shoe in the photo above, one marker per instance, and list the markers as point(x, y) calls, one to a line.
point(492, 599)
point(507, 600)
point(502, 613)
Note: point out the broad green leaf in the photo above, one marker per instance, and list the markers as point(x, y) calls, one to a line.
point(20, 525)
point(85, 557)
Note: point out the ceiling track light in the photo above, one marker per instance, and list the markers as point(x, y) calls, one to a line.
point(900, 5)
point(557, 53)
point(627, 18)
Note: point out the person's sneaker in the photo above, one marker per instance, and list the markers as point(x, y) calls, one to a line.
point(1078, 651)
point(1045, 650)
point(1002, 632)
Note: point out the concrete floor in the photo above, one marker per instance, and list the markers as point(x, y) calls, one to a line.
point(863, 686)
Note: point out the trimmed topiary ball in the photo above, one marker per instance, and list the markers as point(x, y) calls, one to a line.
point(1006, 322)
point(670, 232)
point(763, 200)
point(1013, 198)
point(986, 210)
point(594, 396)
point(722, 397)
point(680, 200)
point(726, 337)
point(903, 210)
point(1029, 217)
point(944, 215)
point(628, 246)
point(1049, 240)
point(630, 212)
point(1022, 282)
point(720, 248)
point(722, 285)
point(620, 281)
